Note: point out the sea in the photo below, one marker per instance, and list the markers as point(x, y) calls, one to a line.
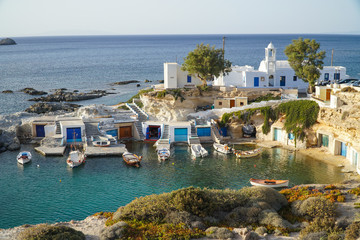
point(46, 190)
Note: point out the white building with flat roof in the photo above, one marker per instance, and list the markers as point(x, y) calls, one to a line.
point(174, 77)
point(274, 73)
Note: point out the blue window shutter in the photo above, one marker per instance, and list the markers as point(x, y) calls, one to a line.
point(189, 79)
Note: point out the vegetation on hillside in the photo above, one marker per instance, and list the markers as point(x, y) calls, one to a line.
point(141, 92)
point(45, 232)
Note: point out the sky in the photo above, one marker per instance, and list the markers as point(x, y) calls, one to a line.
point(141, 17)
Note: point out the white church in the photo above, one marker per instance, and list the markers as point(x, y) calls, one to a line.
point(272, 73)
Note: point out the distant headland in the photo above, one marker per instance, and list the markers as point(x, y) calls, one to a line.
point(7, 41)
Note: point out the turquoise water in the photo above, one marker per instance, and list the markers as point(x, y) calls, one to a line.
point(53, 192)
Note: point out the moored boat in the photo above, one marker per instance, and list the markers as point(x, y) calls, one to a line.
point(75, 159)
point(23, 157)
point(269, 183)
point(248, 154)
point(132, 159)
point(198, 151)
point(223, 148)
point(99, 141)
point(163, 154)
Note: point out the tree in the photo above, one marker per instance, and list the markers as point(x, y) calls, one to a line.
point(205, 62)
point(304, 58)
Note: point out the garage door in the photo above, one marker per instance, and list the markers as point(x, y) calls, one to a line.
point(203, 132)
point(73, 134)
point(125, 132)
point(277, 134)
point(40, 131)
point(181, 134)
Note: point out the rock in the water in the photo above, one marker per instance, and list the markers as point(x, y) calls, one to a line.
point(113, 232)
point(125, 82)
point(51, 107)
point(138, 85)
point(32, 91)
point(147, 80)
point(7, 41)
point(14, 146)
point(62, 96)
point(161, 81)
point(7, 91)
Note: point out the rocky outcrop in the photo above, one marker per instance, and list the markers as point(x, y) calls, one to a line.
point(62, 96)
point(32, 91)
point(8, 141)
point(52, 107)
point(125, 82)
point(7, 91)
point(7, 41)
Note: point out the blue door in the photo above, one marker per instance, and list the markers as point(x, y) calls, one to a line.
point(282, 81)
point(181, 134)
point(113, 133)
point(40, 130)
point(343, 149)
point(204, 132)
point(277, 134)
point(73, 135)
point(256, 81)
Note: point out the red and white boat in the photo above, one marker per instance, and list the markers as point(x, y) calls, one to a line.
point(269, 183)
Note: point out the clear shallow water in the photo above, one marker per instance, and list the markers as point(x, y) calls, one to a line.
point(93, 62)
point(31, 194)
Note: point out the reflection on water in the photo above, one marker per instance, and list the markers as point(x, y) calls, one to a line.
point(54, 192)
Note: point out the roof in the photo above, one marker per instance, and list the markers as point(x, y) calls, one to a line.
point(270, 45)
point(72, 123)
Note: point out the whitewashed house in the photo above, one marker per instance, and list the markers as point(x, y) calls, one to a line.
point(174, 77)
point(274, 73)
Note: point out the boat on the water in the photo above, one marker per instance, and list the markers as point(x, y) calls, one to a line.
point(75, 159)
point(223, 148)
point(269, 183)
point(198, 151)
point(248, 154)
point(99, 141)
point(163, 154)
point(23, 157)
point(132, 159)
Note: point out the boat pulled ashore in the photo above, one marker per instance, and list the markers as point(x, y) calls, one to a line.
point(24, 157)
point(99, 141)
point(75, 159)
point(132, 159)
point(248, 154)
point(223, 148)
point(198, 151)
point(163, 154)
point(269, 183)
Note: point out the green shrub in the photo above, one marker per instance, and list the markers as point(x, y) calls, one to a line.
point(124, 107)
point(141, 92)
point(266, 97)
point(355, 191)
point(352, 231)
point(321, 225)
point(161, 94)
point(268, 195)
point(317, 207)
point(47, 232)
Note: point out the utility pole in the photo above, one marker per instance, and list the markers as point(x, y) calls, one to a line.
point(332, 56)
point(223, 47)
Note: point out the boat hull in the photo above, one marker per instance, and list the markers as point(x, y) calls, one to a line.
point(23, 161)
point(222, 148)
point(163, 154)
point(80, 159)
point(131, 159)
point(248, 154)
point(269, 183)
point(23, 157)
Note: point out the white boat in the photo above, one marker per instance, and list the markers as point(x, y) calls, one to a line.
point(99, 141)
point(269, 183)
point(163, 154)
point(23, 157)
point(248, 154)
point(75, 158)
point(198, 151)
point(223, 148)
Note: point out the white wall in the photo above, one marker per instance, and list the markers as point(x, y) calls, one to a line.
point(50, 130)
point(170, 75)
point(249, 76)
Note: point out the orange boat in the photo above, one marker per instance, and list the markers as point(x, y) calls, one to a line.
point(132, 159)
point(269, 183)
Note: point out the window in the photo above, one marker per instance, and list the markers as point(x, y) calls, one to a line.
point(220, 103)
point(326, 76)
point(241, 104)
point(189, 79)
point(295, 78)
point(336, 76)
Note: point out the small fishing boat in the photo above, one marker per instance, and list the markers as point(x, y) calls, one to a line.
point(223, 148)
point(248, 154)
point(163, 154)
point(75, 159)
point(269, 183)
point(23, 157)
point(132, 159)
point(99, 141)
point(198, 151)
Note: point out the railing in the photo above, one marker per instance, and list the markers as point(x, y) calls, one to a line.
point(131, 109)
point(142, 111)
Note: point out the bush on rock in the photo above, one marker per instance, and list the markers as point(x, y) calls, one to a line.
point(47, 232)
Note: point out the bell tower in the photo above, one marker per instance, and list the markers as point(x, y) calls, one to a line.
point(270, 58)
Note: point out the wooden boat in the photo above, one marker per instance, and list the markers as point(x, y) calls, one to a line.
point(24, 157)
point(163, 154)
point(132, 159)
point(198, 151)
point(269, 183)
point(223, 148)
point(248, 154)
point(75, 159)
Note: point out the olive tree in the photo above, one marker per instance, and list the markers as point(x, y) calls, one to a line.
point(306, 60)
point(205, 62)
